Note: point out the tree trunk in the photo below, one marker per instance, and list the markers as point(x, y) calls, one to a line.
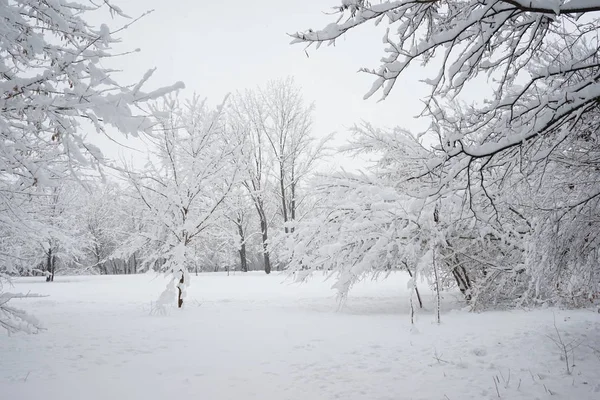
point(242, 251)
point(458, 271)
point(462, 279)
point(134, 264)
point(293, 209)
point(179, 298)
point(50, 266)
point(265, 239)
point(243, 260)
point(98, 259)
point(283, 200)
point(53, 268)
point(438, 300)
point(265, 234)
point(293, 199)
point(461, 276)
point(416, 289)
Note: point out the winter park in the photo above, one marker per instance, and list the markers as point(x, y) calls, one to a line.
point(300, 199)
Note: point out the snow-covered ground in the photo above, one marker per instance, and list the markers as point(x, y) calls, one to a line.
point(253, 336)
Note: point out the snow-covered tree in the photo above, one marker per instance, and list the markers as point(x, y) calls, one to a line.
point(54, 90)
point(133, 224)
point(374, 223)
point(245, 121)
point(523, 155)
point(239, 217)
point(52, 80)
point(183, 187)
point(354, 232)
point(286, 122)
point(275, 126)
point(103, 219)
point(63, 236)
point(15, 320)
point(48, 234)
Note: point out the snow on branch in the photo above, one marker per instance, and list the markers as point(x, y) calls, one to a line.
point(512, 145)
point(52, 80)
point(14, 320)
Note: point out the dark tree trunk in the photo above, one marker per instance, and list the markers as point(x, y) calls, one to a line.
point(48, 264)
point(265, 238)
point(265, 234)
point(416, 289)
point(50, 261)
point(132, 267)
point(284, 206)
point(53, 268)
point(242, 250)
point(99, 264)
point(458, 271)
point(461, 276)
point(293, 202)
point(243, 259)
point(463, 281)
point(179, 298)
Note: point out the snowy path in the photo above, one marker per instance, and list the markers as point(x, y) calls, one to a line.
point(254, 337)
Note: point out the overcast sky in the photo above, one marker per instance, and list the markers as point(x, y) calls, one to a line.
point(217, 47)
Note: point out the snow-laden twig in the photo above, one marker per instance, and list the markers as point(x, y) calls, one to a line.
point(15, 320)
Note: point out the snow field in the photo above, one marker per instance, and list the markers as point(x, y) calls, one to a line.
point(257, 336)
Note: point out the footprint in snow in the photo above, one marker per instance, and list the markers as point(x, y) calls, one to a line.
point(479, 351)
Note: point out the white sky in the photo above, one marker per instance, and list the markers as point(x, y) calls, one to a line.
point(217, 47)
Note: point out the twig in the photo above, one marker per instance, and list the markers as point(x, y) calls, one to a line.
point(506, 381)
point(565, 348)
point(548, 390)
point(439, 360)
point(496, 384)
point(596, 351)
